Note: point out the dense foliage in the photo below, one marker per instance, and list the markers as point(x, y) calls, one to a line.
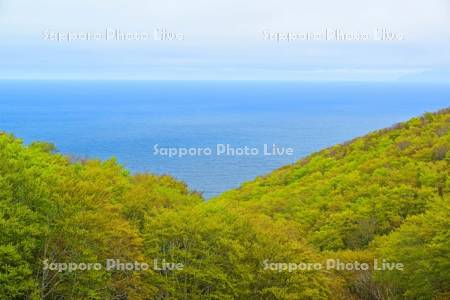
point(382, 196)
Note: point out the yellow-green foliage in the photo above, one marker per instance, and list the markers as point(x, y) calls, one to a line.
point(65, 211)
point(384, 195)
point(391, 186)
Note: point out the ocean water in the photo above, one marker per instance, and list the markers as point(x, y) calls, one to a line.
point(126, 119)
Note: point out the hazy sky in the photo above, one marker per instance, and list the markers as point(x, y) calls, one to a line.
point(225, 39)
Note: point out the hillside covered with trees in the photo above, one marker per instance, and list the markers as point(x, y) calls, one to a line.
point(384, 196)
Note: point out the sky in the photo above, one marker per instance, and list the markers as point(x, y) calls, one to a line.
point(381, 40)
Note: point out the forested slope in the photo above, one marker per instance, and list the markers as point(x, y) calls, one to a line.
point(382, 196)
point(385, 195)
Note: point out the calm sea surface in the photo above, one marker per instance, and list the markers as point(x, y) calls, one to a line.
point(101, 119)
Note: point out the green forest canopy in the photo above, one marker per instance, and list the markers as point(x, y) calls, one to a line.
point(381, 196)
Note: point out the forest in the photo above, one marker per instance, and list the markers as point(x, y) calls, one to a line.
point(383, 197)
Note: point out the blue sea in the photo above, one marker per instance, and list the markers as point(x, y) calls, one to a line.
point(126, 119)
